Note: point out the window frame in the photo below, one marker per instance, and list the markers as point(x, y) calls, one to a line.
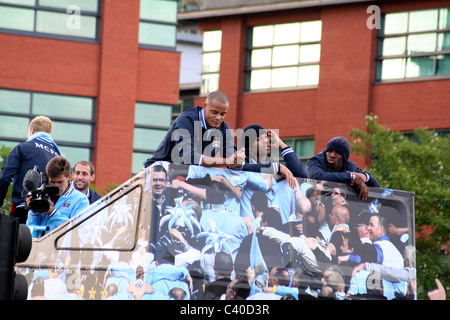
point(150, 152)
point(38, 8)
point(159, 22)
point(380, 58)
point(248, 53)
point(290, 141)
point(30, 115)
point(203, 89)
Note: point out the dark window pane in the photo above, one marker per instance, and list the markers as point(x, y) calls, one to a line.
point(443, 41)
point(419, 67)
point(444, 18)
point(188, 104)
point(443, 64)
point(304, 147)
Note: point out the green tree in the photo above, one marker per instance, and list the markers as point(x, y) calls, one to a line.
point(419, 163)
point(4, 151)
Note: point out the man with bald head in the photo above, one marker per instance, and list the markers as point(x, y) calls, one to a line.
point(338, 219)
point(200, 136)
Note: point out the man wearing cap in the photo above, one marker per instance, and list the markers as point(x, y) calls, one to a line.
point(257, 142)
point(333, 164)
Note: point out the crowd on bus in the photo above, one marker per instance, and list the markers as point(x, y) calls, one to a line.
point(259, 229)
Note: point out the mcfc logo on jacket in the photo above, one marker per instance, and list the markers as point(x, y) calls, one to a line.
point(46, 148)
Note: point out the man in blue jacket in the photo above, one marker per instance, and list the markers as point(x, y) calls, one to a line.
point(201, 136)
point(64, 205)
point(36, 151)
point(333, 164)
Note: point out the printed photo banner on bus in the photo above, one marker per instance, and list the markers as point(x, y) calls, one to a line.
point(161, 234)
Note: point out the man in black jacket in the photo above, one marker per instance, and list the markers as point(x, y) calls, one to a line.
point(223, 266)
point(333, 164)
point(201, 136)
point(36, 151)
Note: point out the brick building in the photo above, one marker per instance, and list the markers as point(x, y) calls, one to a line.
point(108, 71)
point(89, 65)
point(315, 69)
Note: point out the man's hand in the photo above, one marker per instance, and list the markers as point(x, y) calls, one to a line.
point(28, 199)
point(363, 191)
point(439, 293)
point(287, 174)
point(358, 268)
point(239, 158)
point(359, 181)
point(275, 140)
point(236, 161)
point(177, 234)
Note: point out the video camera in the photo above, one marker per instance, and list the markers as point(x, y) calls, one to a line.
point(38, 191)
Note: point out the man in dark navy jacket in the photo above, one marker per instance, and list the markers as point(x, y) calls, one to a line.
point(333, 164)
point(201, 136)
point(36, 151)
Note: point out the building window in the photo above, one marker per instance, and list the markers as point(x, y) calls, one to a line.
point(158, 23)
point(72, 117)
point(303, 147)
point(186, 103)
point(68, 19)
point(414, 44)
point(151, 122)
point(212, 43)
point(283, 55)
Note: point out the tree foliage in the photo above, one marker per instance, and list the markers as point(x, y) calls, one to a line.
point(417, 163)
point(4, 151)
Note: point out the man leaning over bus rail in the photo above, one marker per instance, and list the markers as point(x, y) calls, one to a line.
point(201, 136)
point(333, 164)
point(63, 205)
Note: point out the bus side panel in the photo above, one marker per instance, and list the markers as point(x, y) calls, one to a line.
point(159, 234)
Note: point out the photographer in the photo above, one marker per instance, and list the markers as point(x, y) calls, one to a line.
point(62, 205)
